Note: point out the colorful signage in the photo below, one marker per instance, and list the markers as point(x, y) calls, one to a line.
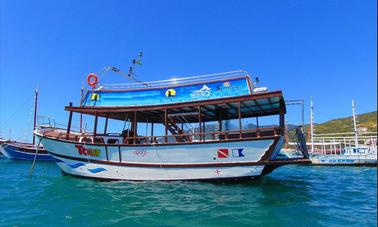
point(236, 153)
point(88, 152)
point(168, 95)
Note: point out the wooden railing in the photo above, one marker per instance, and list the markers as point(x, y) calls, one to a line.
point(112, 138)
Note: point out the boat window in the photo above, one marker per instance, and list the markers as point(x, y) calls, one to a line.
point(87, 140)
point(98, 140)
point(113, 141)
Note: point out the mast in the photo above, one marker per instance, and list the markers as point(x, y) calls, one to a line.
point(35, 113)
point(312, 124)
point(355, 124)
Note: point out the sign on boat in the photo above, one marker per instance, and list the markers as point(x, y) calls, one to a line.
point(167, 131)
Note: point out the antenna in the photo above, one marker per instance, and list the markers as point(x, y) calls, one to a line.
point(135, 62)
point(130, 75)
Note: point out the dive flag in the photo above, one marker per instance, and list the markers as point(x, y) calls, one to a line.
point(222, 153)
point(237, 152)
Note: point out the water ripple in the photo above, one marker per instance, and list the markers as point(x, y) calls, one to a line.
point(293, 195)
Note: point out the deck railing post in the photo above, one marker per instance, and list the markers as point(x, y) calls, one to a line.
point(69, 123)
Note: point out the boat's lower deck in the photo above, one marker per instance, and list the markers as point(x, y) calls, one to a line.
point(206, 160)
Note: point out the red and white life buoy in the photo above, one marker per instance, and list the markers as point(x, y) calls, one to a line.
point(92, 80)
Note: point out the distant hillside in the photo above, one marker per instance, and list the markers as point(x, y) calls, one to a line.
point(365, 122)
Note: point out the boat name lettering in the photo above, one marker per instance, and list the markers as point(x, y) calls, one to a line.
point(87, 151)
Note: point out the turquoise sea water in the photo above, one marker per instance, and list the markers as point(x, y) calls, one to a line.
point(290, 196)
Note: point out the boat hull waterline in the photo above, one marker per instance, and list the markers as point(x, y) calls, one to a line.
point(220, 160)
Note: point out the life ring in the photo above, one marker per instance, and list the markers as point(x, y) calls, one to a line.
point(92, 80)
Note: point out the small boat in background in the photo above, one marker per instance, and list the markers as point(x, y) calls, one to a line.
point(25, 151)
point(348, 156)
point(1, 143)
point(341, 149)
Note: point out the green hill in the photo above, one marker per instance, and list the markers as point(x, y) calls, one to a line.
point(366, 121)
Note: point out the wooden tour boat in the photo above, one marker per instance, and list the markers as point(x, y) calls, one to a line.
point(176, 129)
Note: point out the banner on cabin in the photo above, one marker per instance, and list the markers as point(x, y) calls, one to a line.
point(161, 96)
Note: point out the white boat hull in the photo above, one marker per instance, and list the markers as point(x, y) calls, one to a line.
point(112, 172)
point(206, 161)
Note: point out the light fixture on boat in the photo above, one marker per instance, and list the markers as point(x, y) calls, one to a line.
point(260, 89)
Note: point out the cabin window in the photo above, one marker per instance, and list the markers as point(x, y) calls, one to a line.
point(98, 140)
point(113, 141)
point(87, 140)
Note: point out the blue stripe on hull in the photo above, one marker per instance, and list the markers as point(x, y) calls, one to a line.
point(12, 153)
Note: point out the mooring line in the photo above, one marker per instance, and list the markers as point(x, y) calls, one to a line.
point(35, 157)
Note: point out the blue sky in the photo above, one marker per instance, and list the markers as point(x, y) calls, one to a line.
point(324, 49)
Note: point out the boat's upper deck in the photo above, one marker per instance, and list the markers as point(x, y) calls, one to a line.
point(254, 105)
point(178, 107)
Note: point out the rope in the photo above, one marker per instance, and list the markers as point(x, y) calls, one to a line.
point(35, 157)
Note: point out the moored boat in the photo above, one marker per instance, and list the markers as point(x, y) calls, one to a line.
point(350, 149)
point(168, 148)
point(1, 143)
point(26, 151)
point(348, 156)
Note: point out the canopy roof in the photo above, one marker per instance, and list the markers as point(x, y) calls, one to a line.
point(258, 104)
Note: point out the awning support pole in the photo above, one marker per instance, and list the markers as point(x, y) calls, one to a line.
point(240, 122)
point(69, 123)
point(199, 122)
point(106, 124)
point(152, 131)
point(165, 124)
point(95, 125)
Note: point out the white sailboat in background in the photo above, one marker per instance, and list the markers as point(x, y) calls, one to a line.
point(341, 149)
